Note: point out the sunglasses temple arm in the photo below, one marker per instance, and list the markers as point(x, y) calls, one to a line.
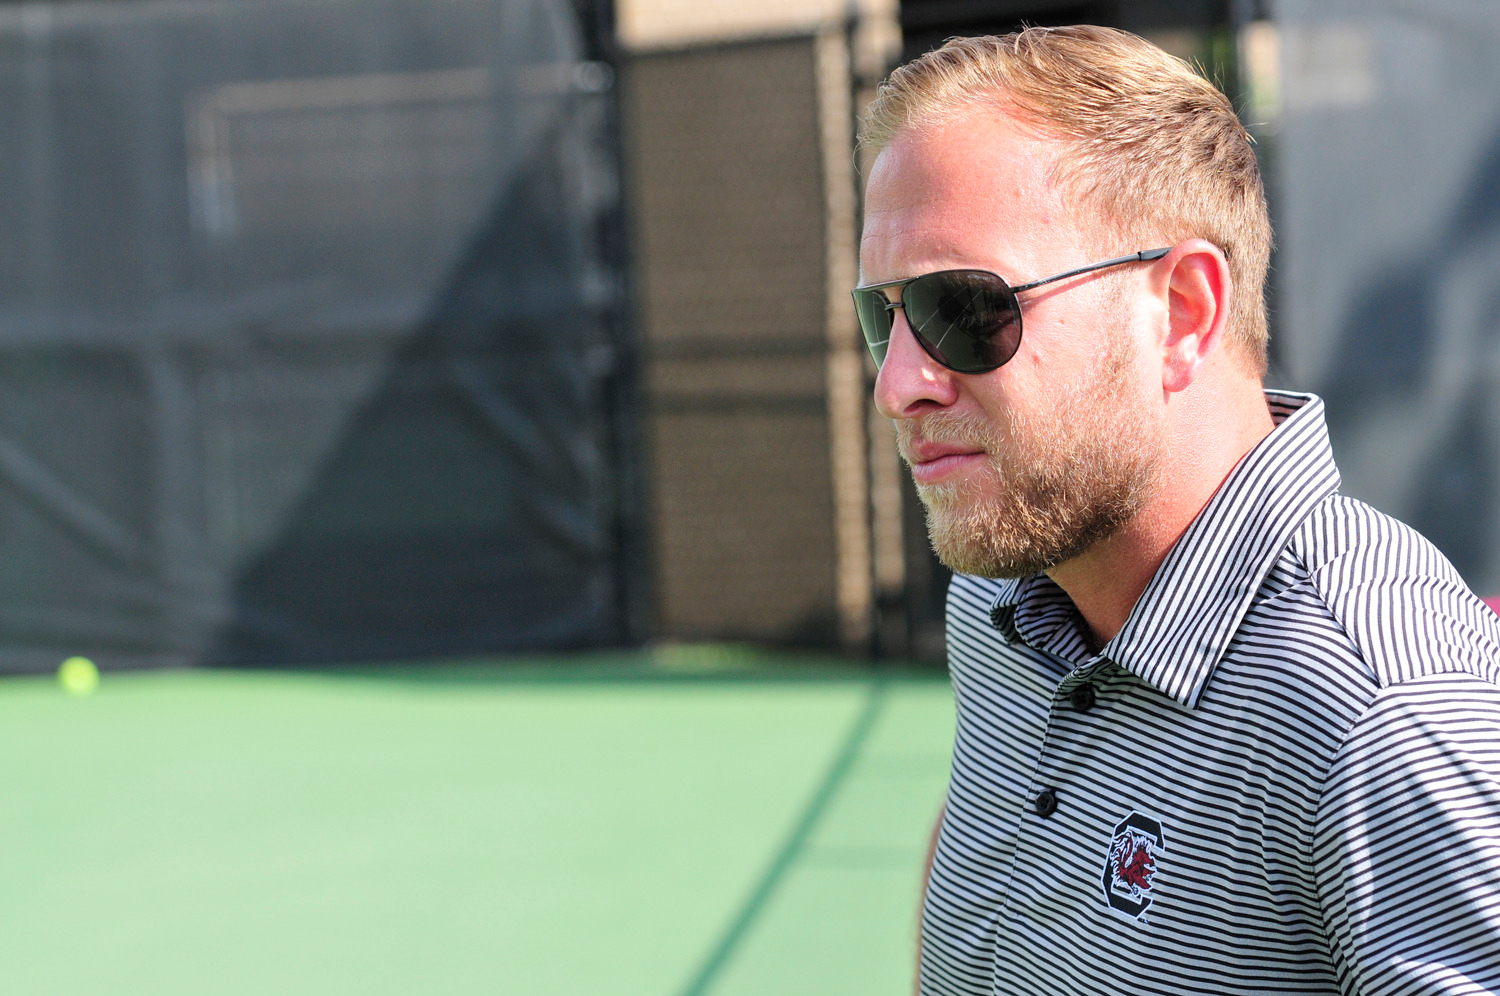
point(1135, 257)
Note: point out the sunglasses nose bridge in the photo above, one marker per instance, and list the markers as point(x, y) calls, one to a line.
point(891, 307)
point(905, 341)
point(902, 322)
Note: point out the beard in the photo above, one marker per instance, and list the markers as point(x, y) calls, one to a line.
point(1061, 481)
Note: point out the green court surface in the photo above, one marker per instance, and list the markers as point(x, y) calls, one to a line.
point(621, 825)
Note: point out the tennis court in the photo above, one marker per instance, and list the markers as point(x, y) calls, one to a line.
point(679, 822)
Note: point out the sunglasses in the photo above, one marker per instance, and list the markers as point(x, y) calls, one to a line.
point(967, 320)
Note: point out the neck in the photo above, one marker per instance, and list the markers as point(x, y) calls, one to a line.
point(1203, 447)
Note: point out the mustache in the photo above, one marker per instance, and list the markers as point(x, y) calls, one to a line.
point(951, 428)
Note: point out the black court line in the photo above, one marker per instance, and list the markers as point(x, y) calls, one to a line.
point(792, 846)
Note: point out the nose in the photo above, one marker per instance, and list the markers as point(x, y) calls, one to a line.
point(910, 382)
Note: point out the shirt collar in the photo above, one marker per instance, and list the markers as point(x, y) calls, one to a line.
point(1190, 610)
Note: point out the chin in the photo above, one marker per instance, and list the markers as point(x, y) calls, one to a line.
point(1010, 537)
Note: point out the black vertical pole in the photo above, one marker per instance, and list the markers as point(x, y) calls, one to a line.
point(631, 566)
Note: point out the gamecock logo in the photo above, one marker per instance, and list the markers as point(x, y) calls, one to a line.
point(1130, 864)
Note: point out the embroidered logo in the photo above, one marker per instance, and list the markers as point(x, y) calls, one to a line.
point(1130, 864)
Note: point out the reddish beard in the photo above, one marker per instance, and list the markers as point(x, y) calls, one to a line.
point(1058, 483)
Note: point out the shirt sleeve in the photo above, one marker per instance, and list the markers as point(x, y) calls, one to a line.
point(1407, 845)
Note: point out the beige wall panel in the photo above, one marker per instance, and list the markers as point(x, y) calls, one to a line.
point(744, 525)
point(725, 166)
point(726, 195)
point(646, 24)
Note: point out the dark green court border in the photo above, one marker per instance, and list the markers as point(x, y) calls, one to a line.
point(791, 848)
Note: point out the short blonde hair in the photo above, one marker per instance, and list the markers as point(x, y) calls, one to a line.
point(1150, 147)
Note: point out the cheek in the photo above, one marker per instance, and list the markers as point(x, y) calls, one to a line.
point(998, 397)
point(1058, 354)
point(1143, 373)
point(1037, 389)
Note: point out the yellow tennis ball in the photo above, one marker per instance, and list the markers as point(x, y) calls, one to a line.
point(78, 676)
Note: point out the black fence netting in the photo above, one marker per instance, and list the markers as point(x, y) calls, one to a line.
point(310, 331)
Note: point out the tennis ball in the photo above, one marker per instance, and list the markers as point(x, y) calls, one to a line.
point(78, 676)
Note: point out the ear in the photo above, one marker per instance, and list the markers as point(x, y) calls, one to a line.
point(1198, 287)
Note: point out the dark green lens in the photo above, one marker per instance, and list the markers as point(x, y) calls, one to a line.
point(967, 320)
point(874, 322)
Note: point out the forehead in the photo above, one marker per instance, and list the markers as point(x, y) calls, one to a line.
point(975, 190)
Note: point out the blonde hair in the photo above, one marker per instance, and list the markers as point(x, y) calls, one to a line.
point(1149, 147)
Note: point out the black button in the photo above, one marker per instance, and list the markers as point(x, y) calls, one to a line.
point(1046, 802)
point(1084, 697)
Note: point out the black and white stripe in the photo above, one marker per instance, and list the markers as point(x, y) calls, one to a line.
point(1305, 697)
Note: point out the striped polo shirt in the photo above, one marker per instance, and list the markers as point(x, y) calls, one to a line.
point(1282, 776)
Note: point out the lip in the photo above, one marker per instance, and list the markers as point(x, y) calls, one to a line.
point(932, 461)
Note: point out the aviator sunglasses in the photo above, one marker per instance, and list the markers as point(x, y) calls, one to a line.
point(967, 320)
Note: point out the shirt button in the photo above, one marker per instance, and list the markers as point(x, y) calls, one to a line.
point(1084, 697)
point(1046, 802)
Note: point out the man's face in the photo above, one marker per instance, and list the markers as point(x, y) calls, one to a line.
point(1029, 465)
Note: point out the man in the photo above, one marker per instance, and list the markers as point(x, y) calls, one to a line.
point(1220, 728)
